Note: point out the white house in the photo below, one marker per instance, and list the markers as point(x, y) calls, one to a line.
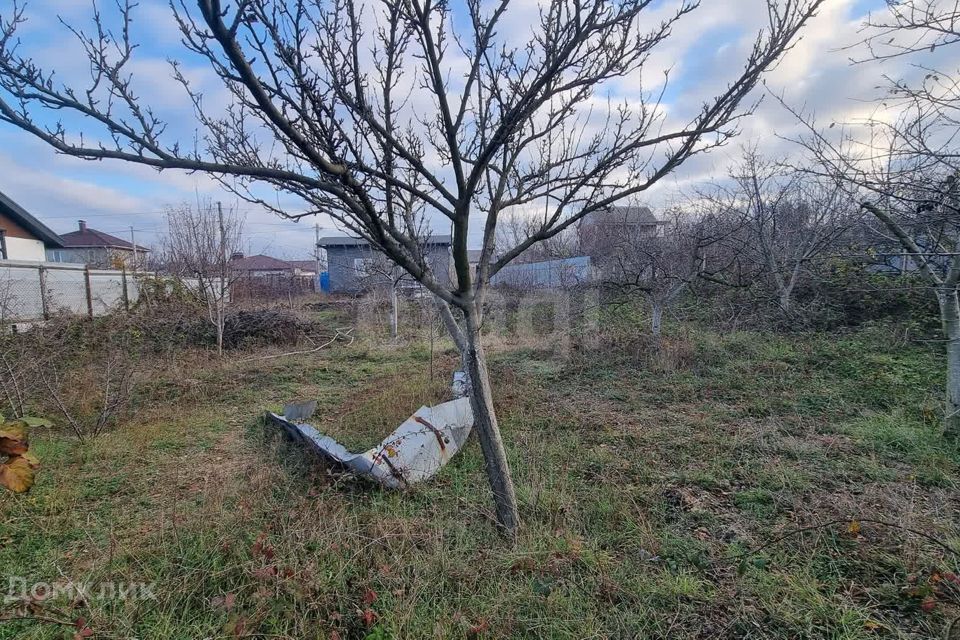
point(23, 237)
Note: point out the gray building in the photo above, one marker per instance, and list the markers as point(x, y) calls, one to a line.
point(98, 249)
point(353, 265)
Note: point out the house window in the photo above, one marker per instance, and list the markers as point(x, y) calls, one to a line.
point(56, 255)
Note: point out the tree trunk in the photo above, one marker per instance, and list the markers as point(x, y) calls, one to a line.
point(220, 335)
point(656, 322)
point(950, 317)
point(220, 315)
point(786, 298)
point(485, 423)
point(394, 311)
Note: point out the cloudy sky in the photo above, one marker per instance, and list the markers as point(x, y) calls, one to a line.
point(706, 50)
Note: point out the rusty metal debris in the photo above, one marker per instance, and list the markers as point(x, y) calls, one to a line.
point(424, 443)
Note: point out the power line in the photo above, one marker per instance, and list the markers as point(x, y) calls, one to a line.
point(112, 213)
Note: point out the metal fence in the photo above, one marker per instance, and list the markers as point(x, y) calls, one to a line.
point(275, 286)
point(549, 274)
point(36, 290)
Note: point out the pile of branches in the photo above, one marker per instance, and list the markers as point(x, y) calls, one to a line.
point(263, 327)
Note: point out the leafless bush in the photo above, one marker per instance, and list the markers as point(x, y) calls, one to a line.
point(16, 369)
point(199, 246)
point(80, 370)
point(94, 396)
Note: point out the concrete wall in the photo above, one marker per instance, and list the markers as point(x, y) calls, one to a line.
point(344, 278)
point(22, 300)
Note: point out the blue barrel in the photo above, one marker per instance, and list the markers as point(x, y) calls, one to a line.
point(325, 281)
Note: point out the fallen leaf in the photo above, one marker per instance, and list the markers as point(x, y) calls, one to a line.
point(478, 628)
point(265, 573)
point(854, 528)
point(33, 421)
point(16, 474)
point(928, 604)
point(32, 460)
point(83, 631)
point(369, 596)
point(236, 626)
point(261, 548)
point(369, 616)
point(13, 438)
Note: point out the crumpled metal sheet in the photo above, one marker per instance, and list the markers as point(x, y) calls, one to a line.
point(417, 450)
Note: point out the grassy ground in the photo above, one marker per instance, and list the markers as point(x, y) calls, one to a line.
point(685, 495)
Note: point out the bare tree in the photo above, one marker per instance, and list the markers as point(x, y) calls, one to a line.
point(355, 107)
point(909, 183)
point(903, 164)
point(912, 26)
point(785, 220)
point(198, 247)
point(380, 273)
point(657, 266)
point(516, 226)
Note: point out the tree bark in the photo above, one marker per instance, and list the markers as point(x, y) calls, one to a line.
point(394, 312)
point(656, 322)
point(950, 318)
point(786, 298)
point(488, 431)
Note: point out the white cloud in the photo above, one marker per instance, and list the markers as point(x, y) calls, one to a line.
point(705, 51)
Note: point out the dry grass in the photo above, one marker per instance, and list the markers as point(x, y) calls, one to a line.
point(644, 479)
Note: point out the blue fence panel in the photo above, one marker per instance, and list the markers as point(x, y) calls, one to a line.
point(545, 275)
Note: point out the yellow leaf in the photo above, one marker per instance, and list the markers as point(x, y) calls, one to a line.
point(31, 459)
point(13, 438)
point(854, 527)
point(16, 474)
point(14, 429)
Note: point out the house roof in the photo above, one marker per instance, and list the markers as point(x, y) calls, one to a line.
point(87, 238)
point(351, 241)
point(20, 215)
point(619, 215)
point(473, 255)
point(260, 262)
point(303, 265)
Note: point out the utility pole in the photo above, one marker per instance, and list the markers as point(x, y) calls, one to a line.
point(316, 246)
point(133, 241)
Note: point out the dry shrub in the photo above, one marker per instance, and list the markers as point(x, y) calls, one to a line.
point(264, 327)
point(168, 329)
point(384, 404)
point(674, 352)
point(82, 371)
point(95, 395)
